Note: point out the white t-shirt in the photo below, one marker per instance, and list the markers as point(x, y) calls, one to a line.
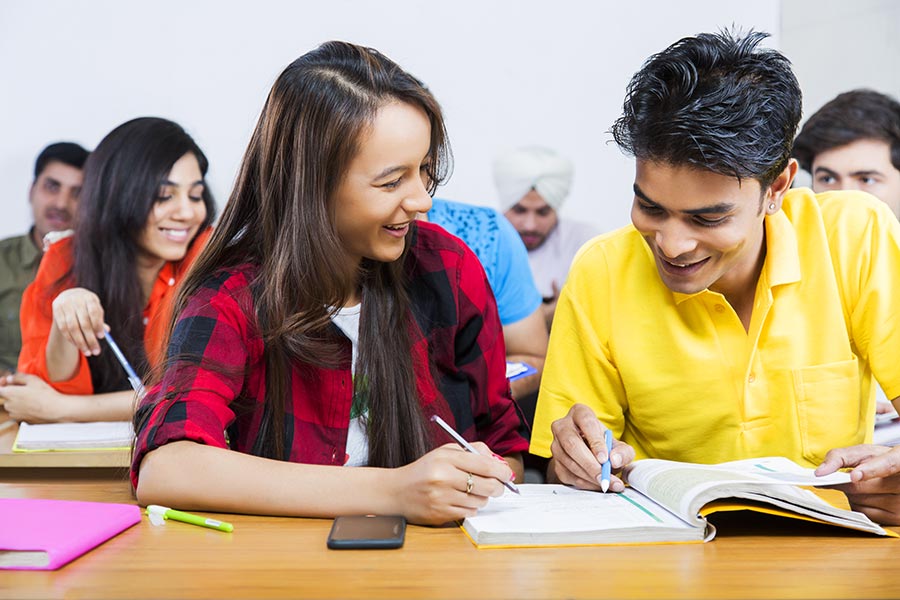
point(551, 260)
point(347, 320)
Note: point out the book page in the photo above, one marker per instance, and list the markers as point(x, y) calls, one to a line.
point(684, 487)
point(23, 558)
point(799, 501)
point(559, 509)
point(778, 469)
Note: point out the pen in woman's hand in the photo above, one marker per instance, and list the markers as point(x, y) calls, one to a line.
point(467, 446)
point(133, 378)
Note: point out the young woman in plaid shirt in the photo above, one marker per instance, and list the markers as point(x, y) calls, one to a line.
point(323, 326)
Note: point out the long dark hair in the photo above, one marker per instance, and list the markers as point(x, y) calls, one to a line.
point(280, 218)
point(122, 178)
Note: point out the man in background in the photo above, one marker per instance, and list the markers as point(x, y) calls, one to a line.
point(53, 196)
point(853, 143)
point(533, 183)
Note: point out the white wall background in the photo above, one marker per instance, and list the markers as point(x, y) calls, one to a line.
point(837, 46)
point(507, 73)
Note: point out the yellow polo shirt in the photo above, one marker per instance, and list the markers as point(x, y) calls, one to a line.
point(677, 377)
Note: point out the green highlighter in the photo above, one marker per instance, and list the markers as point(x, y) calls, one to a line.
point(158, 514)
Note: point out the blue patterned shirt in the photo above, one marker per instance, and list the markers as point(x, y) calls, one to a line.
point(500, 250)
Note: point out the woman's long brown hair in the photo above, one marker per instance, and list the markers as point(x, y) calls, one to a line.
point(122, 177)
point(280, 217)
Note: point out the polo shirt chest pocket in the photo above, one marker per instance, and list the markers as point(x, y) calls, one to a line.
point(828, 407)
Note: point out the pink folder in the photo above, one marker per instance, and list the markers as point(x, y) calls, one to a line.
point(46, 534)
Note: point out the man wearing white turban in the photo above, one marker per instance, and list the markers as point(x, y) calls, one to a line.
point(532, 183)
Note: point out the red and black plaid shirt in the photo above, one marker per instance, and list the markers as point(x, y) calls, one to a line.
point(456, 326)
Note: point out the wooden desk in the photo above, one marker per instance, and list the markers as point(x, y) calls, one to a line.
point(278, 557)
point(114, 461)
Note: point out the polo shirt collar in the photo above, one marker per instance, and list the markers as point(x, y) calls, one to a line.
point(164, 280)
point(30, 253)
point(782, 264)
point(782, 254)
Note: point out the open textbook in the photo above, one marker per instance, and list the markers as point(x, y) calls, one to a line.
point(666, 501)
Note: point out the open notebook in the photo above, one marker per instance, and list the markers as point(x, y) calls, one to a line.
point(106, 435)
point(666, 502)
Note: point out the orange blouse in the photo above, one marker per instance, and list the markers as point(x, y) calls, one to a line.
point(36, 313)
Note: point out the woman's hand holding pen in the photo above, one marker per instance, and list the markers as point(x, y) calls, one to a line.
point(77, 327)
point(448, 484)
point(78, 316)
point(579, 451)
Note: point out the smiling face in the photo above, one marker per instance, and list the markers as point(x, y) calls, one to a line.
point(176, 215)
point(54, 195)
point(533, 218)
point(705, 230)
point(861, 165)
point(384, 186)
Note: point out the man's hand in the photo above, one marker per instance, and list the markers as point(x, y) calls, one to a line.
point(579, 451)
point(875, 479)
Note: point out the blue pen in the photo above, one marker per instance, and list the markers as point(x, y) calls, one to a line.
point(604, 474)
point(133, 379)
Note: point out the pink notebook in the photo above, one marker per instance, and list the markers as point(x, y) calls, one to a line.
point(46, 534)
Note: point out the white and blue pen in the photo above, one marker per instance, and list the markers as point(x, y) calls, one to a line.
point(605, 469)
point(467, 446)
point(133, 379)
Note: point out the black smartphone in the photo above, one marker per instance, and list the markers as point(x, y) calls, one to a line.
point(368, 531)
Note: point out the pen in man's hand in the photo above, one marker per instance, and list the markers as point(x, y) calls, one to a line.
point(462, 442)
point(133, 379)
point(605, 472)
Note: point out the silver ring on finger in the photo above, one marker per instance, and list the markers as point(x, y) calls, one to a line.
point(470, 483)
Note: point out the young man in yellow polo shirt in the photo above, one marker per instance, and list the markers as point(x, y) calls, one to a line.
point(735, 317)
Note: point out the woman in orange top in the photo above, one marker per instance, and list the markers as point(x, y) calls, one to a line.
point(143, 203)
